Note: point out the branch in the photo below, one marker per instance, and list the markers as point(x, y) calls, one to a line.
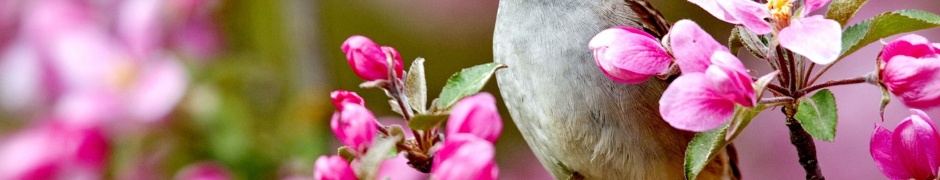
point(857, 80)
point(805, 147)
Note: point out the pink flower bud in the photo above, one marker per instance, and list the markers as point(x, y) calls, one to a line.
point(368, 60)
point(912, 151)
point(398, 169)
point(332, 168)
point(476, 115)
point(54, 150)
point(355, 126)
point(465, 156)
point(629, 55)
point(342, 96)
point(911, 71)
point(204, 171)
point(703, 101)
point(692, 46)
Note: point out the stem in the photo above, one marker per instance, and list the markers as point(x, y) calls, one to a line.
point(805, 147)
point(776, 100)
point(812, 88)
point(784, 69)
point(778, 89)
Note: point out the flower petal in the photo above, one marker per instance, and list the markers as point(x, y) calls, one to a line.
point(915, 81)
point(915, 142)
point(750, 14)
point(713, 7)
point(692, 46)
point(812, 5)
point(729, 78)
point(814, 37)
point(629, 55)
point(912, 45)
point(159, 89)
point(882, 152)
point(689, 104)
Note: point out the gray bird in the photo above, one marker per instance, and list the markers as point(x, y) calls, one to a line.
point(579, 123)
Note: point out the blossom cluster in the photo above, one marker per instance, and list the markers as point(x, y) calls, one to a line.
point(712, 82)
point(85, 68)
point(465, 151)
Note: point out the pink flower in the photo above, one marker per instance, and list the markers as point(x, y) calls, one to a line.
point(204, 171)
point(332, 168)
point(629, 55)
point(703, 101)
point(912, 151)
point(476, 115)
point(692, 46)
point(397, 169)
point(54, 149)
point(342, 96)
point(911, 71)
point(368, 60)
point(815, 37)
point(355, 126)
point(465, 156)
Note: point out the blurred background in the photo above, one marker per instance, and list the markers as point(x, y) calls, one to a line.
point(151, 89)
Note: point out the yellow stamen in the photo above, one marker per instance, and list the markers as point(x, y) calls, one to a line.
point(780, 12)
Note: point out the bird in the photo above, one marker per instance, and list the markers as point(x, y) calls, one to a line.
point(579, 123)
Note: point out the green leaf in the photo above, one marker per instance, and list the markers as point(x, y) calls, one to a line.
point(819, 115)
point(427, 121)
point(747, 39)
point(703, 147)
point(467, 82)
point(883, 25)
point(379, 151)
point(416, 87)
point(344, 152)
point(706, 145)
point(843, 10)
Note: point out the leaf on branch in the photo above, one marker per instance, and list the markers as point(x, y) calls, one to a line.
point(344, 152)
point(427, 121)
point(884, 25)
point(706, 145)
point(383, 148)
point(395, 107)
point(703, 147)
point(741, 37)
point(842, 10)
point(416, 87)
point(819, 115)
point(467, 82)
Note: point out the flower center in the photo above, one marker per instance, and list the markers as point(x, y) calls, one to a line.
point(780, 12)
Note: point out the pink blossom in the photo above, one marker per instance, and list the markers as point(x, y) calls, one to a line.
point(54, 149)
point(703, 101)
point(332, 168)
point(629, 55)
point(355, 126)
point(911, 71)
point(816, 38)
point(476, 115)
point(341, 97)
point(368, 60)
point(692, 46)
point(465, 156)
point(204, 171)
point(398, 169)
point(912, 151)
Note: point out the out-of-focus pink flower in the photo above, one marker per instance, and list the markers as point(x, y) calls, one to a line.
point(912, 151)
point(703, 101)
point(397, 169)
point(140, 26)
point(692, 46)
point(629, 55)
point(204, 171)
point(355, 126)
point(54, 149)
point(368, 60)
point(816, 38)
point(465, 156)
point(198, 36)
point(476, 115)
point(911, 71)
point(332, 168)
point(341, 97)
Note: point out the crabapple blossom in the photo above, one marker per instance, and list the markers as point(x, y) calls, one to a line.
point(204, 171)
point(465, 156)
point(692, 46)
point(476, 115)
point(342, 96)
point(355, 126)
point(629, 55)
point(912, 151)
point(332, 168)
point(368, 60)
point(703, 101)
point(54, 149)
point(911, 71)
